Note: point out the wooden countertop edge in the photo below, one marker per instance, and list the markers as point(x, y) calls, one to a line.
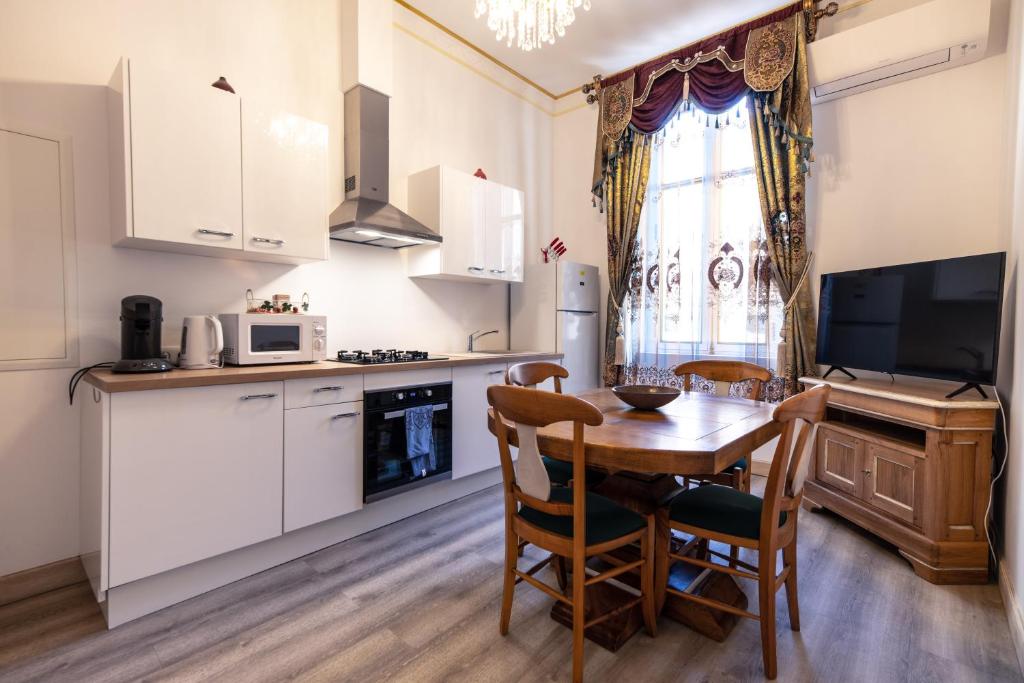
point(107, 381)
point(894, 394)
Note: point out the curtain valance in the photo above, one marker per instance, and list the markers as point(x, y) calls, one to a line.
point(710, 72)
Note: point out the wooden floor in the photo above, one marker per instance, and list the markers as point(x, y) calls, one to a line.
point(418, 601)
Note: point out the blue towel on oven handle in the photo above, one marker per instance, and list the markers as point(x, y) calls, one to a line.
point(419, 438)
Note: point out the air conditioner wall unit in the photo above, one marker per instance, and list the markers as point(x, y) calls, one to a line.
point(930, 37)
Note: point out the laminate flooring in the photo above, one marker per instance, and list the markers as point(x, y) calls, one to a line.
point(418, 601)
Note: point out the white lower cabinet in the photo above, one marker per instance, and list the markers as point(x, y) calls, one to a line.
point(323, 466)
point(193, 473)
point(474, 448)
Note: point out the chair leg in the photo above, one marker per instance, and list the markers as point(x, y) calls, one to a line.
point(766, 600)
point(789, 560)
point(511, 559)
point(579, 614)
point(558, 564)
point(647, 580)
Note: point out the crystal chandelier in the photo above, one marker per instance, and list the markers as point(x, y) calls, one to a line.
point(530, 23)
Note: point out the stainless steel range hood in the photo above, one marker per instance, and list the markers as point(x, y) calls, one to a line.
point(366, 217)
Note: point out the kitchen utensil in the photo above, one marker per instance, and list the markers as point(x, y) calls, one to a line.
point(645, 396)
point(202, 341)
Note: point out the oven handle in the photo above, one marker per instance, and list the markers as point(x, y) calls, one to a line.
point(401, 413)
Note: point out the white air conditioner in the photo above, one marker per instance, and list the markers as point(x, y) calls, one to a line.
point(931, 37)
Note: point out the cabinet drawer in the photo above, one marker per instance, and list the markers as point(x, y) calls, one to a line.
point(893, 482)
point(321, 391)
point(323, 463)
point(838, 460)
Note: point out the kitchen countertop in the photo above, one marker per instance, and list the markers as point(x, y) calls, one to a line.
point(107, 381)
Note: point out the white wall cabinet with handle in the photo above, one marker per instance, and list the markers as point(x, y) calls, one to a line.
point(193, 473)
point(323, 464)
point(474, 448)
point(199, 170)
point(480, 221)
point(284, 183)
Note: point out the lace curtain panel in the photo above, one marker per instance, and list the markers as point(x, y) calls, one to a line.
point(701, 284)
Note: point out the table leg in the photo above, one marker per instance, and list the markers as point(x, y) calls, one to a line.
point(662, 542)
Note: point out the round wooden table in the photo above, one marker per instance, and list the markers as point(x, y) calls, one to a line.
point(644, 450)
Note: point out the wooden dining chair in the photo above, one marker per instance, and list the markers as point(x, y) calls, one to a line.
point(568, 522)
point(725, 373)
point(767, 525)
point(530, 375)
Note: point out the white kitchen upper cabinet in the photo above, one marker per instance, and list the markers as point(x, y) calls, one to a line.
point(193, 473)
point(323, 466)
point(481, 223)
point(187, 174)
point(284, 188)
point(181, 142)
point(474, 448)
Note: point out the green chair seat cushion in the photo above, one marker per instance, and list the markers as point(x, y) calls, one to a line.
point(722, 509)
point(560, 472)
point(605, 520)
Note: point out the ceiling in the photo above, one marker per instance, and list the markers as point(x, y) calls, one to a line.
point(613, 35)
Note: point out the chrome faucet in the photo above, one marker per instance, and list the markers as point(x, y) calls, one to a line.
point(476, 335)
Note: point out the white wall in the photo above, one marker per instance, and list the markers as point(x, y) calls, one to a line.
point(449, 106)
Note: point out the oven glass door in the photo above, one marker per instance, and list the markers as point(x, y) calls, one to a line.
point(388, 468)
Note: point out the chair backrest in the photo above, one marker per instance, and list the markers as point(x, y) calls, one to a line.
point(533, 373)
point(798, 416)
point(725, 373)
point(527, 409)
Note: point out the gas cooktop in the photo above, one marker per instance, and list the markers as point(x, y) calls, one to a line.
point(380, 356)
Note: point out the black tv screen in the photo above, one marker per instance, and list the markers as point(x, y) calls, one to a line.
point(936, 319)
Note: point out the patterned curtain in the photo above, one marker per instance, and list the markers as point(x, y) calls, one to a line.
point(780, 124)
point(698, 291)
point(628, 165)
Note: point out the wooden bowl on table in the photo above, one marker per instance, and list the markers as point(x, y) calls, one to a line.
point(645, 396)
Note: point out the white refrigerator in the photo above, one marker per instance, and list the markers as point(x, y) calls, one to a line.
point(556, 309)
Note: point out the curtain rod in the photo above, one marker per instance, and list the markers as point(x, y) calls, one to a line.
point(830, 10)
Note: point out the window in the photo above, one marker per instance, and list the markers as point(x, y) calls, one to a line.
point(705, 271)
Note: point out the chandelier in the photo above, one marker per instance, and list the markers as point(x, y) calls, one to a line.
point(530, 23)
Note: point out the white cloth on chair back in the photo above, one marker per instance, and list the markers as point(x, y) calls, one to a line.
point(531, 475)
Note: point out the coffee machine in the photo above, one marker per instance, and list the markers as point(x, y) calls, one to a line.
point(141, 320)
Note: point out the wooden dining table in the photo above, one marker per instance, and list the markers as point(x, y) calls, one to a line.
point(644, 451)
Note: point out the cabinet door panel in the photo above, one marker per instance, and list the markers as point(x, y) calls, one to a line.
point(894, 482)
point(186, 159)
point(512, 215)
point(474, 448)
point(838, 460)
point(193, 473)
point(462, 219)
point(323, 463)
point(284, 164)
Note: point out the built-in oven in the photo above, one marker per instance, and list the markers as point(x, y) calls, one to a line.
point(407, 434)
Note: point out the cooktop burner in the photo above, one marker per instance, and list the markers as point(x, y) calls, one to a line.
point(379, 356)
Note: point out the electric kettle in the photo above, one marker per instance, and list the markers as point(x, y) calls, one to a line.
point(202, 341)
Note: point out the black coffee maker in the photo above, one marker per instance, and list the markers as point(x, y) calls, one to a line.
point(141, 320)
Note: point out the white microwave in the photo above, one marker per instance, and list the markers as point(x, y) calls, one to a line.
point(263, 338)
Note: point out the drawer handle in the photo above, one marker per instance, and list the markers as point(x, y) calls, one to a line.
point(267, 240)
point(249, 397)
point(216, 233)
point(497, 271)
point(496, 372)
point(476, 269)
point(341, 415)
point(322, 389)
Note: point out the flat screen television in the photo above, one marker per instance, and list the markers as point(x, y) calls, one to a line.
point(937, 319)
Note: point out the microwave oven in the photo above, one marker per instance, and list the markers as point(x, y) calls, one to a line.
point(263, 338)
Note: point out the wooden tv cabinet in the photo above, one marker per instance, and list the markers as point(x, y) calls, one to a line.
point(911, 466)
